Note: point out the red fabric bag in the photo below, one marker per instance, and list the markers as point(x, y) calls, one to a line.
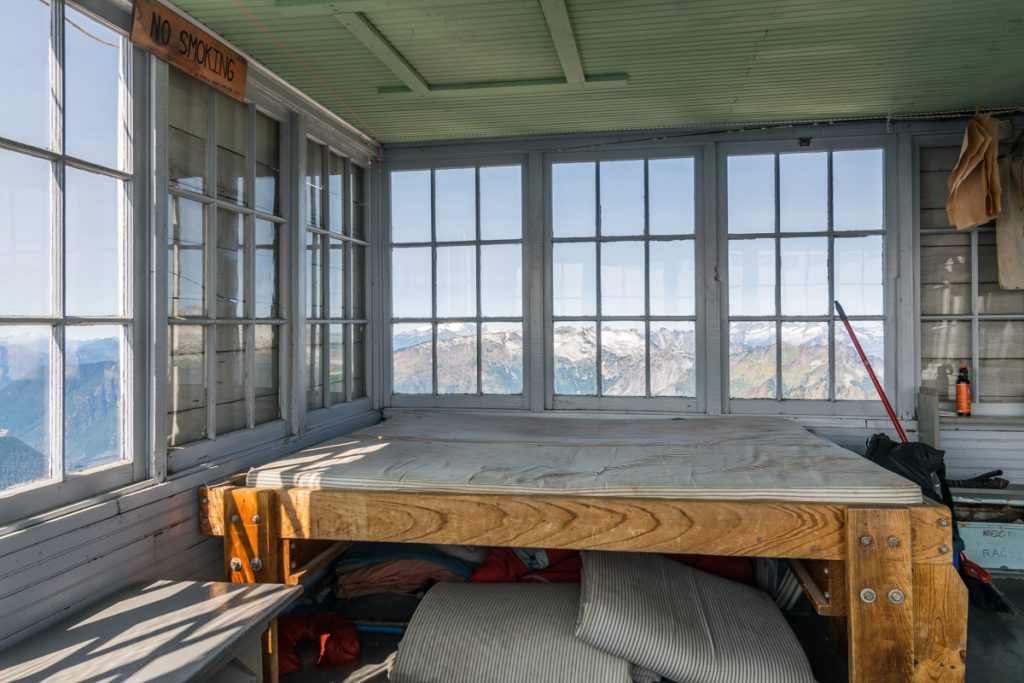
point(337, 637)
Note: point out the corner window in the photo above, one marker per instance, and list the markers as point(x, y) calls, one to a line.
point(66, 323)
point(623, 278)
point(226, 313)
point(335, 265)
point(804, 229)
point(457, 281)
point(965, 316)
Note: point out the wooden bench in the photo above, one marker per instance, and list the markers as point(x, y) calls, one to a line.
point(163, 631)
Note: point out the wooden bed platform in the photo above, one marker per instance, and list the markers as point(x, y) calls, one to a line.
point(881, 573)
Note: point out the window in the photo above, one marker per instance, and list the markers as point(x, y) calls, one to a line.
point(804, 229)
point(623, 278)
point(965, 316)
point(335, 268)
point(66, 297)
point(457, 281)
point(226, 312)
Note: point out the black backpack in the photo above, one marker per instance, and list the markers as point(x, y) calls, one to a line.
point(921, 464)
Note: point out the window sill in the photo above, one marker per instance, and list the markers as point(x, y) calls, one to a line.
point(979, 422)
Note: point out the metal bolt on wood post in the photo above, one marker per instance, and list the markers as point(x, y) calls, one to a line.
point(235, 564)
point(894, 542)
point(256, 564)
point(255, 519)
point(865, 540)
point(867, 595)
point(896, 596)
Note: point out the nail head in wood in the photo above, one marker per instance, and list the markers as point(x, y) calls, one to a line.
point(828, 596)
point(943, 549)
point(234, 518)
point(255, 519)
point(894, 542)
point(865, 540)
point(867, 595)
point(943, 522)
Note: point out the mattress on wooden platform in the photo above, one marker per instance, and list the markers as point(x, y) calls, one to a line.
point(720, 458)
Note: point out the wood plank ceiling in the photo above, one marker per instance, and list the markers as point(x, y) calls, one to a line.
point(416, 70)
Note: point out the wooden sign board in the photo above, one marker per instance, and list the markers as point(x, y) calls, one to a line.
point(181, 43)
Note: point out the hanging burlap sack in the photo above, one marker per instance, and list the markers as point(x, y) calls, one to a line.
point(974, 188)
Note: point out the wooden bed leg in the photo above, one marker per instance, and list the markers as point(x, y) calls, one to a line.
point(940, 624)
point(879, 595)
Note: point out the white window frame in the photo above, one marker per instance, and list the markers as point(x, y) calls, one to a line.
point(329, 413)
point(695, 404)
point(64, 488)
point(891, 230)
point(982, 408)
point(456, 401)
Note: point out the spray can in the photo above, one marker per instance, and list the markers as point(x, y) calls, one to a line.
point(963, 392)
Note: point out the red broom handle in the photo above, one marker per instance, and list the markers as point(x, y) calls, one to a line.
point(871, 373)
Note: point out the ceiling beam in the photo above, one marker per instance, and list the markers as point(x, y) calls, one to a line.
point(319, 7)
point(522, 87)
point(557, 16)
point(369, 36)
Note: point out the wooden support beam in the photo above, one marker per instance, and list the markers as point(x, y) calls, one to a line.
point(523, 87)
point(940, 624)
point(557, 16)
point(369, 36)
point(880, 595)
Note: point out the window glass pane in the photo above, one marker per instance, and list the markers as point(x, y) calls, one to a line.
point(314, 185)
point(93, 234)
point(456, 282)
point(804, 275)
point(575, 353)
point(358, 281)
point(858, 264)
point(456, 358)
point(670, 198)
point(95, 112)
point(501, 202)
point(805, 360)
point(573, 200)
point(852, 380)
point(268, 165)
point(1001, 375)
point(803, 191)
point(501, 349)
point(336, 278)
point(27, 44)
point(858, 190)
point(230, 264)
point(574, 278)
point(93, 396)
point(944, 345)
point(336, 363)
point(410, 206)
point(623, 359)
point(25, 234)
point(358, 194)
point(267, 262)
point(946, 274)
point(187, 104)
point(672, 278)
point(751, 188)
point(186, 384)
point(230, 369)
point(335, 192)
point(358, 361)
point(622, 197)
point(411, 282)
point(266, 381)
point(752, 277)
point(673, 358)
point(412, 348)
point(992, 299)
point(501, 280)
point(455, 204)
point(314, 275)
point(622, 278)
point(314, 367)
point(752, 359)
point(185, 258)
point(231, 148)
point(24, 404)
